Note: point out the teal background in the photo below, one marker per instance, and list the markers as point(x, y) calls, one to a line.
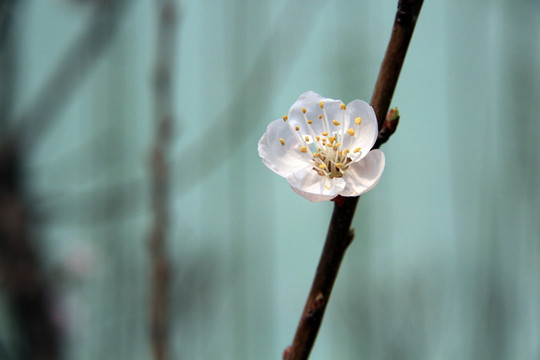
point(446, 259)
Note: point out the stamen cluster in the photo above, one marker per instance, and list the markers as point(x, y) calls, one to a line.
point(328, 156)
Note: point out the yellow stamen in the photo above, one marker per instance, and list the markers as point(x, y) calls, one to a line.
point(358, 120)
point(321, 104)
point(343, 107)
point(303, 149)
point(324, 133)
point(338, 145)
point(351, 132)
point(322, 166)
point(307, 138)
point(310, 122)
point(282, 141)
point(336, 122)
point(357, 149)
point(285, 117)
point(339, 165)
point(318, 138)
point(320, 116)
point(304, 110)
point(296, 128)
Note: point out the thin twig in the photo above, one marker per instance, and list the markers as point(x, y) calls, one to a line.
point(339, 235)
point(163, 108)
point(389, 127)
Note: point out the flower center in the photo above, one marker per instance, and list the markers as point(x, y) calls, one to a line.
point(331, 160)
point(328, 156)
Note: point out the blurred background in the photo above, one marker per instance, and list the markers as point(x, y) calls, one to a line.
point(135, 213)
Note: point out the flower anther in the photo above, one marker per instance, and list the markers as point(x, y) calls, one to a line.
point(322, 147)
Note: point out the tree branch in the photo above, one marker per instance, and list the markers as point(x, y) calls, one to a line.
point(339, 235)
point(163, 108)
point(406, 16)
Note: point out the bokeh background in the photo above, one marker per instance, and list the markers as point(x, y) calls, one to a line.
point(446, 259)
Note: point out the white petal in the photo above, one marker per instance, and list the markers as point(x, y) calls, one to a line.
point(365, 133)
point(363, 175)
point(281, 159)
point(307, 183)
point(310, 101)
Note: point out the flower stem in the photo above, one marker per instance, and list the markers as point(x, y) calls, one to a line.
point(339, 234)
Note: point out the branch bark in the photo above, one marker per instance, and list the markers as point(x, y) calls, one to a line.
point(339, 234)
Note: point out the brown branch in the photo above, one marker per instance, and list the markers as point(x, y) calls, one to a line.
point(339, 235)
point(389, 127)
point(163, 107)
point(406, 16)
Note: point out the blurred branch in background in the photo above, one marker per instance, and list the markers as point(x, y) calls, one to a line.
point(163, 117)
point(27, 290)
point(7, 62)
point(69, 73)
point(20, 270)
point(55, 93)
point(4, 352)
point(258, 80)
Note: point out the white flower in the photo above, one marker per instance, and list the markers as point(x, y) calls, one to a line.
point(322, 147)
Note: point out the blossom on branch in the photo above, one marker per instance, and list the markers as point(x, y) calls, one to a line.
point(322, 147)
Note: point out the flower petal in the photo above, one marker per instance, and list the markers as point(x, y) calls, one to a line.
point(363, 175)
point(366, 132)
point(314, 187)
point(310, 101)
point(281, 159)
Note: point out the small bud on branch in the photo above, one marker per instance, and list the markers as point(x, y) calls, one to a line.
point(389, 127)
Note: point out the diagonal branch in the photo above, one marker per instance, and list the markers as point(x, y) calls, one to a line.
point(69, 72)
point(406, 16)
point(339, 234)
point(258, 81)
